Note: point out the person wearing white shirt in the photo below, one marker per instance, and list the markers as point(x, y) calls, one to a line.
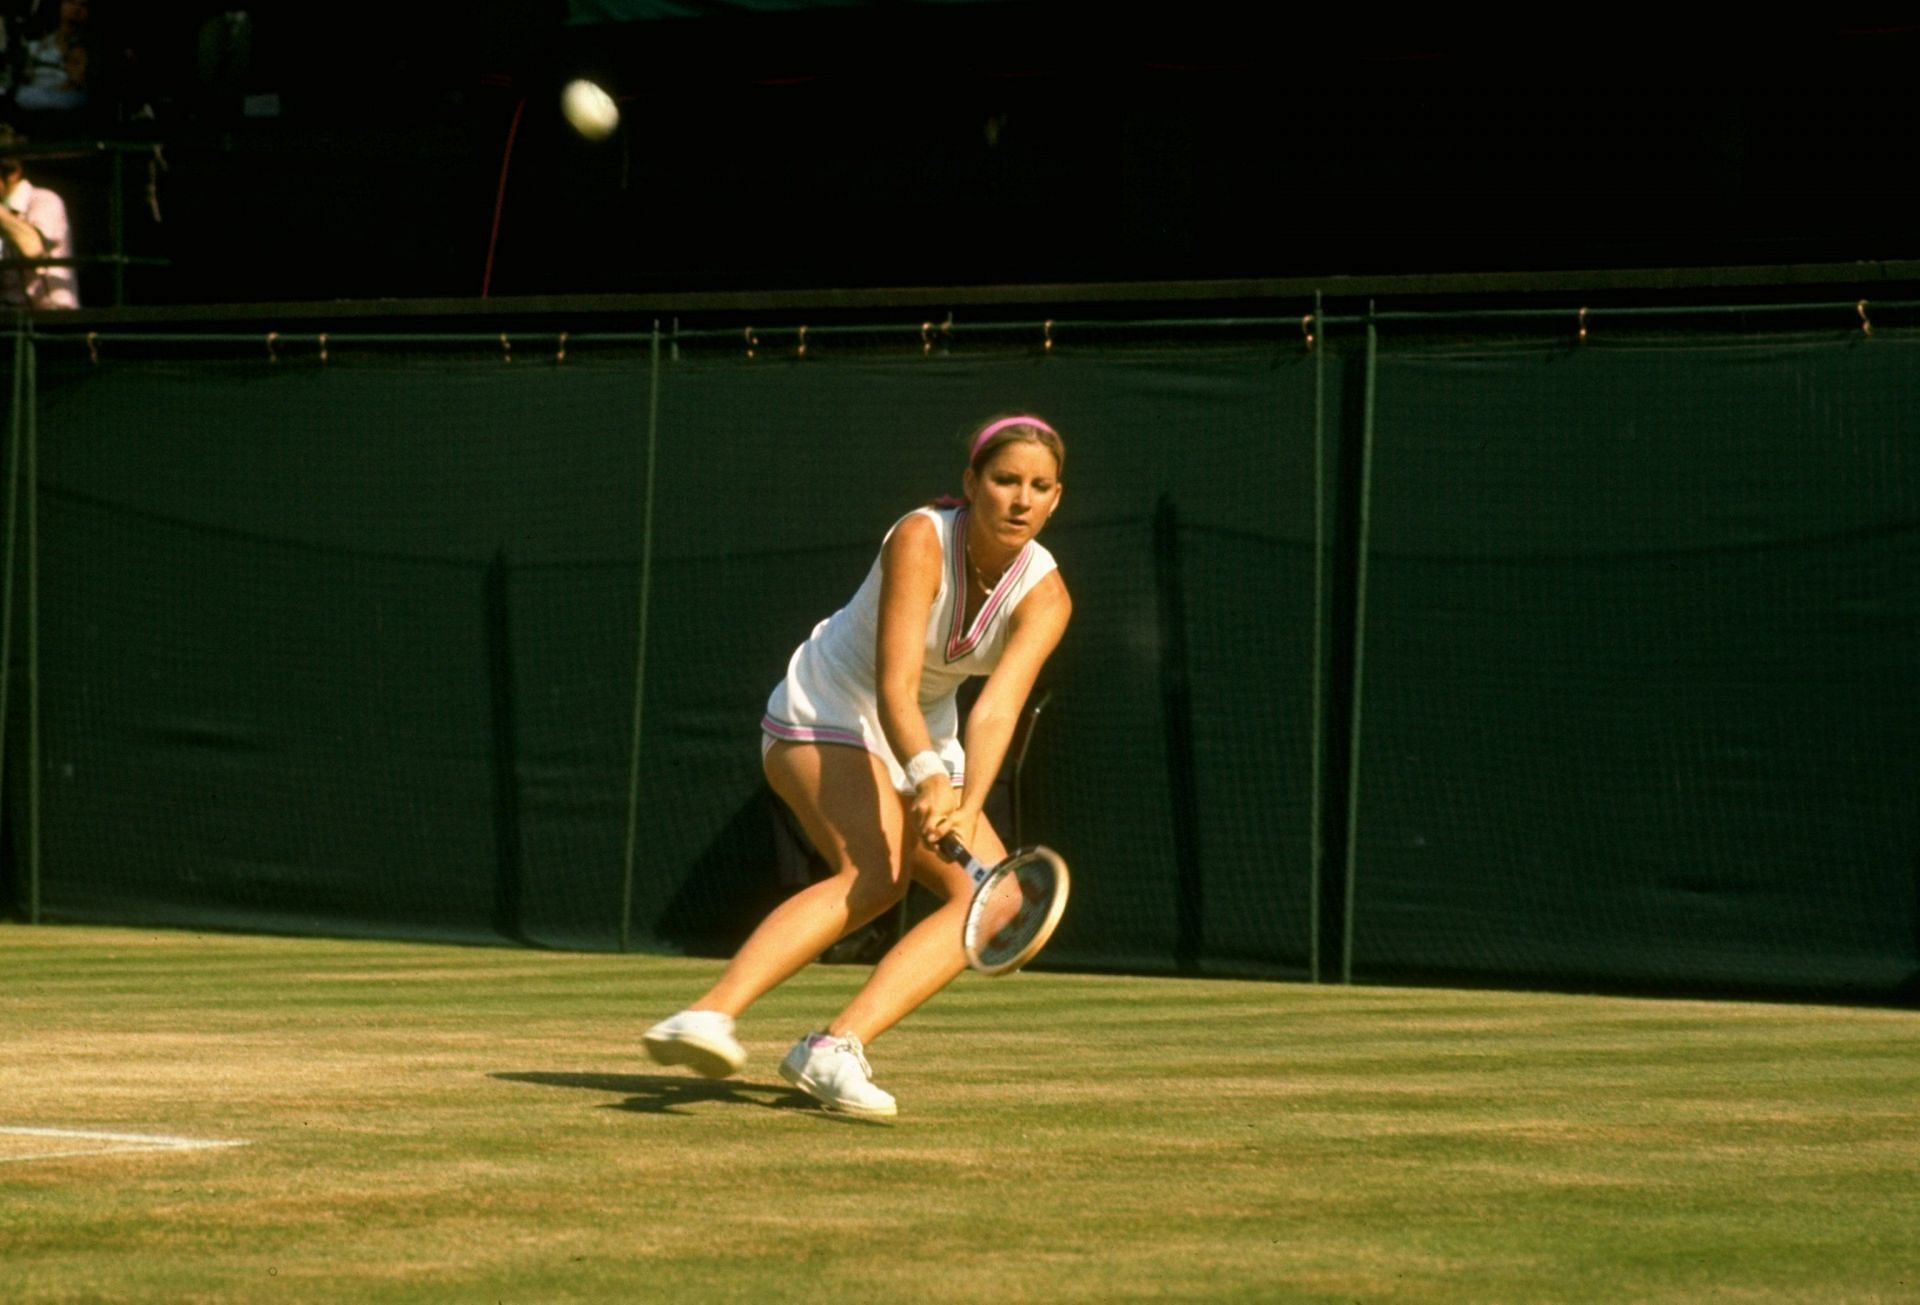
point(33, 224)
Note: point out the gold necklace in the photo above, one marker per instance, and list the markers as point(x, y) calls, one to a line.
point(979, 575)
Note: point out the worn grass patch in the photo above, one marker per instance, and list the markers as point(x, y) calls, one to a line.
point(431, 1123)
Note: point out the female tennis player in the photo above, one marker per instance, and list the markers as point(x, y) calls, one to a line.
point(862, 740)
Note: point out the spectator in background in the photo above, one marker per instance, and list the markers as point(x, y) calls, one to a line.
point(46, 53)
point(33, 224)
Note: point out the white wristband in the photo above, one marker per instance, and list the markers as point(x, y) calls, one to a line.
point(924, 766)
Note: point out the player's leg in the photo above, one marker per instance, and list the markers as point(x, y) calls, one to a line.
point(847, 806)
point(831, 1066)
point(930, 956)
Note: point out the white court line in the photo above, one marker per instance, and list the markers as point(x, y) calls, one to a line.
point(117, 1143)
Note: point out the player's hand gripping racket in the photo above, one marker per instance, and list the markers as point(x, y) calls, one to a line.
point(1015, 906)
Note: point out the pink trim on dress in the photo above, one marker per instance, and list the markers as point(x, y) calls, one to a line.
point(960, 640)
point(781, 730)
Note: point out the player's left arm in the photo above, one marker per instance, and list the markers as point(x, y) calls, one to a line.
point(1033, 632)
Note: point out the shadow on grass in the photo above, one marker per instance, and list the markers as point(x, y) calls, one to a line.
point(670, 1094)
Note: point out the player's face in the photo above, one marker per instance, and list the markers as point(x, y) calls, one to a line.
point(1015, 492)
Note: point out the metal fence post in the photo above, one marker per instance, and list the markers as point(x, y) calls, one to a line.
point(1359, 644)
point(640, 655)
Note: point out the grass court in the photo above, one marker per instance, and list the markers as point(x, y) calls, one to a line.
point(413, 1122)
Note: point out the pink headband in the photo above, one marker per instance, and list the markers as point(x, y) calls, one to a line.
point(980, 440)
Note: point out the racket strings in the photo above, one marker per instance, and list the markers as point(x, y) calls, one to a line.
point(1037, 886)
point(1014, 909)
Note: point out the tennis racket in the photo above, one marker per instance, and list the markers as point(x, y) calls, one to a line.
point(1015, 905)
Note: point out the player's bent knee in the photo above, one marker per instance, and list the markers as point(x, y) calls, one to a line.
point(872, 893)
point(940, 876)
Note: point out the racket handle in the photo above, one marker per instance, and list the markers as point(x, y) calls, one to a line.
point(956, 851)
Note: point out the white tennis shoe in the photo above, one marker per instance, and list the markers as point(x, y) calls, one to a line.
point(834, 1071)
point(702, 1040)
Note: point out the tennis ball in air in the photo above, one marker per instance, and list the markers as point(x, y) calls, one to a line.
point(590, 109)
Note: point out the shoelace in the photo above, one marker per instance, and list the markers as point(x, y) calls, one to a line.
point(851, 1045)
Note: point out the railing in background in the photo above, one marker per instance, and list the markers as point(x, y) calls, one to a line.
point(116, 259)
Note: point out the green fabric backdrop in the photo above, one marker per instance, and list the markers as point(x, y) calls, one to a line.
point(1642, 688)
point(351, 647)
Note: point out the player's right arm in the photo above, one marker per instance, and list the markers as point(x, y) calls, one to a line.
point(910, 565)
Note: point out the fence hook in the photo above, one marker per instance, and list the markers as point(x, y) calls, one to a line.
point(323, 347)
point(1046, 335)
point(753, 341)
point(1306, 329)
point(93, 347)
point(273, 355)
point(506, 348)
point(1583, 326)
point(1866, 325)
point(801, 350)
point(561, 356)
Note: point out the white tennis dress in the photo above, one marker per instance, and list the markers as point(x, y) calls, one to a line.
point(829, 695)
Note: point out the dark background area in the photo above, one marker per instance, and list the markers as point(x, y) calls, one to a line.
point(356, 151)
point(1713, 791)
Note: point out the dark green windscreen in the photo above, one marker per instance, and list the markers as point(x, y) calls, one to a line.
point(1642, 664)
point(351, 648)
point(342, 649)
point(1629, 632)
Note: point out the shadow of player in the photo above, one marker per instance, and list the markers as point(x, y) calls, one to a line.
point(671, 1094)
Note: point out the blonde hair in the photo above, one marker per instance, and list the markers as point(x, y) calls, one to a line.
point(983, 443)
